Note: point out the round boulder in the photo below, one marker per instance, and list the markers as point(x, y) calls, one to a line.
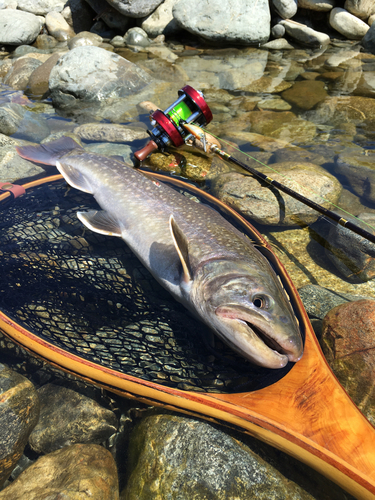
point(18, 27)
point(92, 74)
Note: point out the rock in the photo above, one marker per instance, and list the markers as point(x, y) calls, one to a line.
point(285, 8)
point(304, 34)
point(319, 5)
point(161, 21)
point(196, 460)
point(135, 8)
point(243, 23)
point(104, 75)
point(19, 413)
point(274, 104)
point(358, 167)
point(278, 31)
point(342, 109)
point(360, 8)
point(318, 301)
point(40, 7)
point(348, 25)
point(13, 168)
point(118, 41)
point(75, 472)
point(368, 41)
point(5, 67)
point(122, 152)
point(279, 44)
point(262, 142)
point(137, 37)
point(351, 254)
point(8, 4)
point(305, 94)
point(192, 166)
point(81, 15)
point(18, 27)
point(38, 81)
point(348, 344)
point(58, 27)
point(110, 132)
point(11, 115)
point(266, 205)
point(20, 72)
point(84, 38)
point(67, 417)
point(109, 15)
point(45, 42)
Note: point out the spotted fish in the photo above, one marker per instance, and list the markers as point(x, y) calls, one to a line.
point(197, 255)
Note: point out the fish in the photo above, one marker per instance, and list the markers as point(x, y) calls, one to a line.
point(205, 263)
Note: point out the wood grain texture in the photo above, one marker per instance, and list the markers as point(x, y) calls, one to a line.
point(306, 414)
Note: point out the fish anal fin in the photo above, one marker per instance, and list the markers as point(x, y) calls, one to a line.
point(100, 222)
point(74, 177)
point(181, 245)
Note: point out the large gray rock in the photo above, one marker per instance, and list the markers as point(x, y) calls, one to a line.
point(173, 457)
point(135, 8)
point(92, 74)
point(237, 21)
point(41, 7)
point(18, 27)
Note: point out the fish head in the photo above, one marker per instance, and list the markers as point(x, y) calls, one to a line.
point(250, 311)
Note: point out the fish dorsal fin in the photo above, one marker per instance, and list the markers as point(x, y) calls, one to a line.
point(181, 245)
point(100, 222)
point(74, 177)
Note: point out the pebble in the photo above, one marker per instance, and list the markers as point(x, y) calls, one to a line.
point(318, 5)
point(161, 21)
point(285, 8)
point(303, 34)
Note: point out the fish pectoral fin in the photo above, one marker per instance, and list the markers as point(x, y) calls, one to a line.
point(74, 177)
point(181, 245)
point(100, 222)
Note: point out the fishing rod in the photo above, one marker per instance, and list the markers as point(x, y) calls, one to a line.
point(184, 119)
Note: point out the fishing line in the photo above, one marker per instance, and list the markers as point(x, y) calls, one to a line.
point(292, 180)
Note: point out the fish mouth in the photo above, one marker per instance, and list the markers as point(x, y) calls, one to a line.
point(267, 350)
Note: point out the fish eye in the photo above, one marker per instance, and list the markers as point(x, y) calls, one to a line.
point(262, 301)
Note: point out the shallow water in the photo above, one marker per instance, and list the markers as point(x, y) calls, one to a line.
point(243, 87)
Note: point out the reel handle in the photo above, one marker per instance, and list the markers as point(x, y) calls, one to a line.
point(150, 147)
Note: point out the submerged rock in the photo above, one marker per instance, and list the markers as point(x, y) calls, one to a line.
point(20, 72)
point(67, 417)
point(305, 94)
point(358, 167)
point(349, 346)
point(75, 472)
point(352, 254)
point(19, 413)
point(264, 204)
point(110, 132)
point(196, 460)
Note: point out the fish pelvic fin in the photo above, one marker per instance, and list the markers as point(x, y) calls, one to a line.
point(48, 153)
point(74, 177)
point(181, 245)
point(100, 222)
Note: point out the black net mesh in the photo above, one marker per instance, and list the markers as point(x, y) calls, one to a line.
point(89, 295)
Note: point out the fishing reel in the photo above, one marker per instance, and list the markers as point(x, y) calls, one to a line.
point(190, 108)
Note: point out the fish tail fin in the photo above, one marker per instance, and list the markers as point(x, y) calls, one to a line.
point(49, 153)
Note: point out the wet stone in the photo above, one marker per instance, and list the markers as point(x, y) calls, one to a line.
point(110, 132)
point(352, 254)
point(305, 94)
point(19, 413)
point(358, 167)
point(348, 344)
point(191, 166)
point(266, 205)
point(196, 460)
point(67, 417)
point(74, 472)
